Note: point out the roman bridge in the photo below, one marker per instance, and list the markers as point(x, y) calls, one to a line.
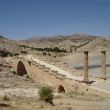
point(45, 74)
point(42, 75)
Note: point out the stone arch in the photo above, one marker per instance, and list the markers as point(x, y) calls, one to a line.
point(21, 70)
point(61, 89)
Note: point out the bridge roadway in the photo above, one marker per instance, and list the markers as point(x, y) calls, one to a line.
point(99, 85)
point(52, 67)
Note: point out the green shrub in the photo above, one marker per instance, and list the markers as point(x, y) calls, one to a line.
point(47, 49)
point(14, 72)
point(46, 94)
point(16, 54)
point(24, 52)
point(6, 54)
point(5, 98)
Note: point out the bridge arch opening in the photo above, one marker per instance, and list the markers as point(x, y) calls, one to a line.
point(21, 70)
point(61, 89)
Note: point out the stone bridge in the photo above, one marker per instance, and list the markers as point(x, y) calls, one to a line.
point(42, 75)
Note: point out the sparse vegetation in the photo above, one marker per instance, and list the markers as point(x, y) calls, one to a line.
point(16, 54)
point(2, 37)
point(46, 94)
point(4, 105)
point(29, 62)
point(5, 98)
point(5, 54)
point(55, 49)
point(14, 72)
point(24, 52)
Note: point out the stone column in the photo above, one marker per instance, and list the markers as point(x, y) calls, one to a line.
point(103, 64)
point(85, 76)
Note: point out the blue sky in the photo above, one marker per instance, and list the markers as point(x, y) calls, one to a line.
point(21, 19)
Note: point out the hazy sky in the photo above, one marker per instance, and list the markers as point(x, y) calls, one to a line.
point(20, 19)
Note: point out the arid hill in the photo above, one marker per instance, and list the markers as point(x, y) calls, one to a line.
point(69, 42)
point(21, 92)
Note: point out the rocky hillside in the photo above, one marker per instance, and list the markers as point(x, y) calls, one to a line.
point(9, 47)
point(97, 45)
point(71, 43)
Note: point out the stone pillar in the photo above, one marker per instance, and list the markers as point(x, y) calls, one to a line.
point(103, 65)
point(85, 76)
